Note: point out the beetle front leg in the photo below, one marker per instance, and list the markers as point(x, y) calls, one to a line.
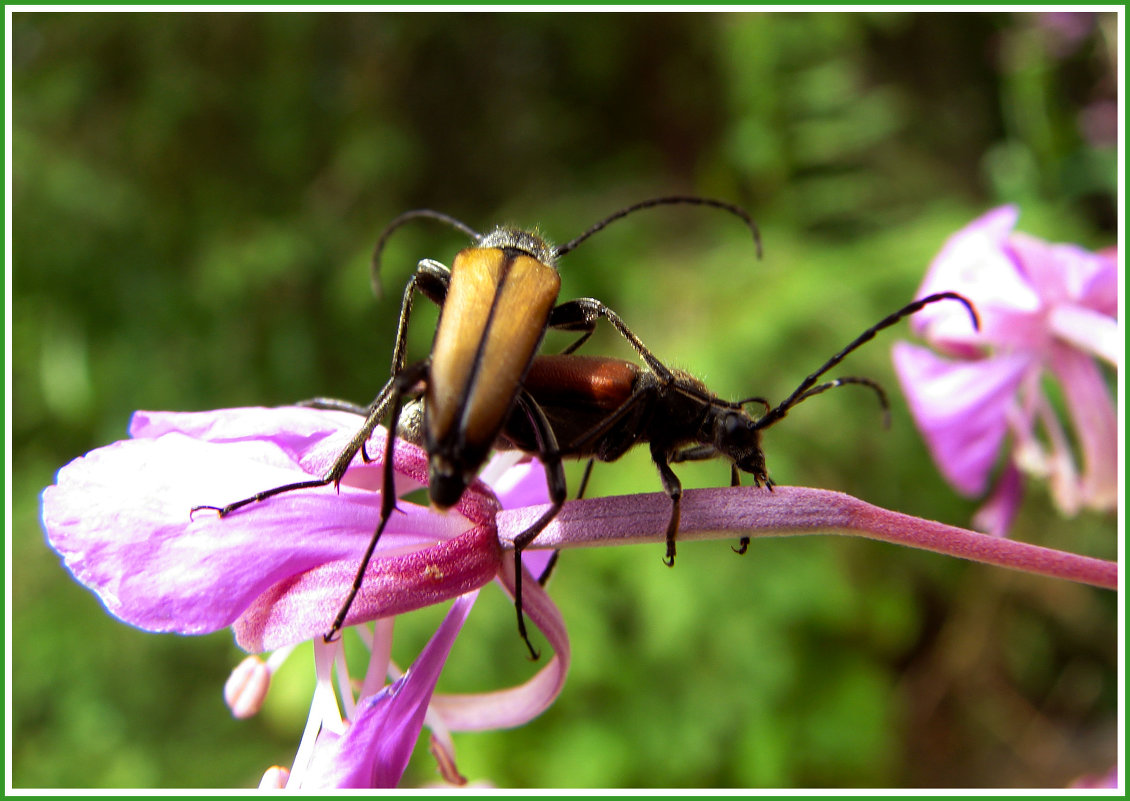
point(334, 475)
point(582, 314)
point(397, 387)
point(431, 280)
point(674, 489)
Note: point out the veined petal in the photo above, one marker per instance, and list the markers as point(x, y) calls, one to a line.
point(286, 437)
point(303, 607)
point(375, 749)
point(960, 408)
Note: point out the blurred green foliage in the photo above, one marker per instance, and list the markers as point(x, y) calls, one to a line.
point(195, 200)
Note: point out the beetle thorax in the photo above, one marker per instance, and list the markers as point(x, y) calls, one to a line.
point(529, 242)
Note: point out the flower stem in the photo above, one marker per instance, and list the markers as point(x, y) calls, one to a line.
point(755, 512)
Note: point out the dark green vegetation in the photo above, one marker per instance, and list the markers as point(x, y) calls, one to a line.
point(196, 197)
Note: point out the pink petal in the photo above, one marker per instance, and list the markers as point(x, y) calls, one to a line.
point(975, 263)
point(516, 705)
point(303, 607)
point(960, 408)
point(1067, 273)
point(375, 749)
point(1086, 330)
point(1093, 419)
point(997, 513)
point(120, 515)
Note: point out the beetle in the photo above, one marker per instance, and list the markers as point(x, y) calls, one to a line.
point(496, 302)
point(599, 408)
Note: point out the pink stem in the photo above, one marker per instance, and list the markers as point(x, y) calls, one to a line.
point(753, 512)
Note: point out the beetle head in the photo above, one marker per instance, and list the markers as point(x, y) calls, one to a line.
point(737, 436)
point(447, 479)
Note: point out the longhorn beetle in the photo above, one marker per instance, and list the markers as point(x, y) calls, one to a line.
point(600, 408)
point(496, 303)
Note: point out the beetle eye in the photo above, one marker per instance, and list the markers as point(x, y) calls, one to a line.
point(733, 425)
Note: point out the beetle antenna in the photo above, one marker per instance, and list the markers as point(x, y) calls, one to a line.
point(738, 211)
point(375, 264)
point(884, 404)
point(756, 399)
point(809, 384)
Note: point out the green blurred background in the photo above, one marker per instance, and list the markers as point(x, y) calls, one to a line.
point(195, 200)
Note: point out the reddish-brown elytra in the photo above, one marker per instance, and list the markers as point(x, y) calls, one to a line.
point(599, 408)
point(496, 303)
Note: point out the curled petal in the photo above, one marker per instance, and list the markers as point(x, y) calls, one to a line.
point(961, 408)
point(516, 705)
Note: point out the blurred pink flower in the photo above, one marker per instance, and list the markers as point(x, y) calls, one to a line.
point(1047, 310)
point(1098, 781)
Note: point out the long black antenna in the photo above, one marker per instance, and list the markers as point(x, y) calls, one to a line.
point(875, 386)
point(803, 391)
point(375, 265)
point(738, 211)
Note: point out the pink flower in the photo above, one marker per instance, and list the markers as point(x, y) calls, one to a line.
point(276, 572)
point(1046, 309)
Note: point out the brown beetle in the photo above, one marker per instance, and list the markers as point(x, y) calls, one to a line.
point(496, 303)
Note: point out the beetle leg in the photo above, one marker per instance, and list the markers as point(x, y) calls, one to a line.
point(547, 571)
point(338, 405)
point(736, 481)
point(374, 413)
point(582, 314)
point(695, 453)
point(400, 384)
point(585, 479)
point(334, 405)
point(674, 489)
point(431, 279)
point(555, 477)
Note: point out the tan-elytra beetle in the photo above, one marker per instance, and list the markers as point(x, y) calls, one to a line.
point(496, 303)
